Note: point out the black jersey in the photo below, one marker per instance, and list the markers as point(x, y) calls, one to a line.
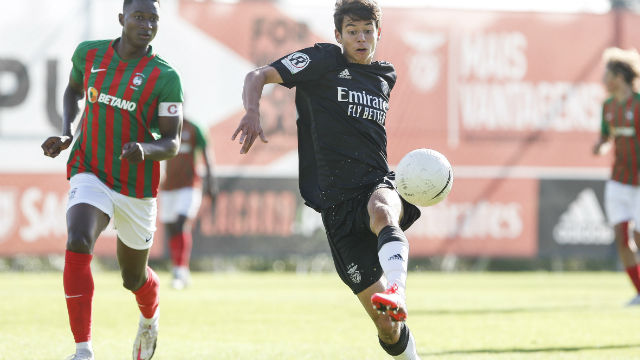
point(342, 108)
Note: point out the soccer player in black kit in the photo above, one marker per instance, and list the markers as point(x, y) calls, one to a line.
point(342, 98)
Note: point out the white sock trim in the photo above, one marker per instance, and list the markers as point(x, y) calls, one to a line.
point(410, 353)
point(84, 346)
point(153, 320)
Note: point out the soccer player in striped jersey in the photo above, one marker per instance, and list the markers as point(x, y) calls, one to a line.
point(132, 119)
point(621, 125)
point(342, 98)
point(180, 197)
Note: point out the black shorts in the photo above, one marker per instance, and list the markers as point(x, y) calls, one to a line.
point(354, 246)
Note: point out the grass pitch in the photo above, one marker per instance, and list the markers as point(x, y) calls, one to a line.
point(312, 317)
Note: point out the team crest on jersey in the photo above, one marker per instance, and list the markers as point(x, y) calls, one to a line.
point(137, 81)
point(296, 62)
point(629, 115)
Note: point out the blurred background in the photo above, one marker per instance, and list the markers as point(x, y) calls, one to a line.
point(510, 92)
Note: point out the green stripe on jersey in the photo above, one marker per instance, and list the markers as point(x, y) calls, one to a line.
point(124, 111)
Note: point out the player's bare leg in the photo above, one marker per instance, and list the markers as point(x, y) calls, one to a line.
point(144, 283)
point(634, 271)
point(84, 224)
point(394, 336)
point(628, 258)
point(180, 244)
point(385, 211)
point(387, 307)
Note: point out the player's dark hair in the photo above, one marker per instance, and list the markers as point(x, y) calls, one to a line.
point(624, 69)
point(356, 10)
point(128, 2)
point(623, 62)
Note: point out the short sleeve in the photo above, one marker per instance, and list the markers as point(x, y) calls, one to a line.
point(172, 88)
point(604, 125)
point(78, 60)
point(308, 64)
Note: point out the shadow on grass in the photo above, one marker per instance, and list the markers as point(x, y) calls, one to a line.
point(579, 308)
point(529, 350)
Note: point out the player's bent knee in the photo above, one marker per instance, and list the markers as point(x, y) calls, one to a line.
point(381, 216)
point(133, 282)
point(79, 241)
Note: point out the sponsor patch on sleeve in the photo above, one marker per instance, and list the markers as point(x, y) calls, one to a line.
point(170, 109)
point(296, 62)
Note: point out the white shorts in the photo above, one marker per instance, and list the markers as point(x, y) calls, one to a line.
point(133, 218)
point(621, 202)
point(184, 201)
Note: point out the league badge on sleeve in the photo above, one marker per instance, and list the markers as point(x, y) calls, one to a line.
point(296, 62)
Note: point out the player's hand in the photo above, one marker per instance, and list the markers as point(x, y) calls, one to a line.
point(55, 144)
point(210, 187)
point(132, 152)
point(249, 130)
point(596, 148)
point(601, 147)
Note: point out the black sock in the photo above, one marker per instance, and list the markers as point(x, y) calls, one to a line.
point(399, 347)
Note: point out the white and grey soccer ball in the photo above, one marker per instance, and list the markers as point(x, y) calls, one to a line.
point(424, 177)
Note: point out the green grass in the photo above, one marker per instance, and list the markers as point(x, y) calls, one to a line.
point(287, 316)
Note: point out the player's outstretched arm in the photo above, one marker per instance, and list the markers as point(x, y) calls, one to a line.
point(164, 148)
point(249, 127)
point(70, 109)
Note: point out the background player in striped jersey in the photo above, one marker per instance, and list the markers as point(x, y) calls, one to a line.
point(342, 100)
point(180, 198)
point(621, 124)
point(132, 119)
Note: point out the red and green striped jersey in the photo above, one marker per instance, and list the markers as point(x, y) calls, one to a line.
point(621, 121)
point(181, 169)
point(122, 98)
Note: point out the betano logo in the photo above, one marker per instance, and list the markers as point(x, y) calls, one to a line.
point(93, 95)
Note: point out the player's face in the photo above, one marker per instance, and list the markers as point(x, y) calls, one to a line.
point(611, 81)
point(140, 22)
point(358, 39)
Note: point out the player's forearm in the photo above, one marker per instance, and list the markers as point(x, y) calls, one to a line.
point(70, 109)
point(208, 162)
point(252, 91)
point(161, 149)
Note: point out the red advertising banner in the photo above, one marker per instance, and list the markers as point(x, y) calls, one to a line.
point(484, 88)
point(509, 97)
point(481, 217)
point(33, 217)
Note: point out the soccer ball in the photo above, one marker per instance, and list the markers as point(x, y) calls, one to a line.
point(424, 177)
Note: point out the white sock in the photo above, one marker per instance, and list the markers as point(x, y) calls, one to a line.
point(393, 257)
point(84, 347)
point(153, 320)
point(410, 353)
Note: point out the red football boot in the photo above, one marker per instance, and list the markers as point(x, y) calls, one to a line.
point(390, 302)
